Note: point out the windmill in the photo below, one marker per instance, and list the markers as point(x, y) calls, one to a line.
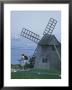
point(47, 54)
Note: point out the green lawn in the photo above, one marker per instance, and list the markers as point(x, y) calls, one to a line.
point(36, 74)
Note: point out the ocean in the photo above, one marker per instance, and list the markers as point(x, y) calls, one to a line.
point(19, 47)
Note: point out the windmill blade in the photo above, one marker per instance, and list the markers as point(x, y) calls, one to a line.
point(50, 26)
point(30, 35)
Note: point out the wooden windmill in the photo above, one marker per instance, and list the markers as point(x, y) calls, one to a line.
point(47, 54)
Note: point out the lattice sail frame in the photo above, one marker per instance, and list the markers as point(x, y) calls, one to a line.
point(35, 37)
point(30, 35)
point(50, 26)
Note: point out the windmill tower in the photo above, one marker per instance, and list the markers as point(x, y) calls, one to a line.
point(47, 54)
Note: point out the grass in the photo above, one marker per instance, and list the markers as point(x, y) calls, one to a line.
point(36, 74)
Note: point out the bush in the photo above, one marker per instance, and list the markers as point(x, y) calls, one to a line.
point(32, 62)
point(26, 66)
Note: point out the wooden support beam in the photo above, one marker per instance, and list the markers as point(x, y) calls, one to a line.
point(57, 52)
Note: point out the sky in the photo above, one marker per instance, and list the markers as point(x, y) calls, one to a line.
point(34, 21)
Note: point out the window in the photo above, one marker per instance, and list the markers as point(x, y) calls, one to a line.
point(44, 60)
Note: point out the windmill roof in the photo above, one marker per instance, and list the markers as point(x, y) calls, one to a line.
point(49, 41)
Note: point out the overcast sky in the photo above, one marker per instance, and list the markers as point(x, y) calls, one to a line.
point(35, 21)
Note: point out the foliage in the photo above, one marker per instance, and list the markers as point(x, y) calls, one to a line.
point(26, 66)
point(31, 64)
point(32, 61)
